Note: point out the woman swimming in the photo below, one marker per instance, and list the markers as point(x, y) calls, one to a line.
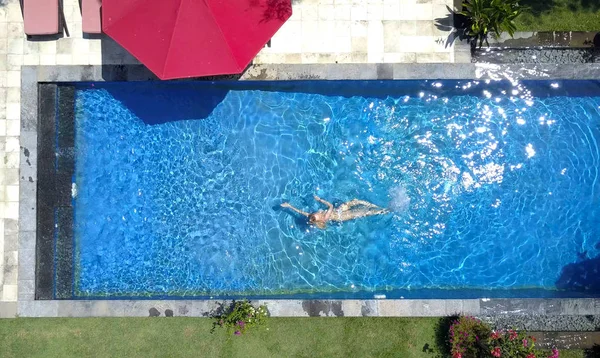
point(350, 210)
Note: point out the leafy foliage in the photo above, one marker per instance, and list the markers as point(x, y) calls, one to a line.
point(241, 316)
point(467, 337)
point(472, 338)
point(487, 17)
point(512, 344)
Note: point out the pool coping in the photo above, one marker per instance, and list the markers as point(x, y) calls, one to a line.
point(27, 306)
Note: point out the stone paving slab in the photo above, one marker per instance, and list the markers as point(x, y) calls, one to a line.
point(32, 308)
point(8, 309)
point(434, 71)
point(315, 72)
point(358, 308)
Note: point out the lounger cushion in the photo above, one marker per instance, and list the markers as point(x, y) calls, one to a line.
point(90, 13)
point(40, 17)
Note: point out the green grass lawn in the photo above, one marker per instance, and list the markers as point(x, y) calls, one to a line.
point(560, 15)
point(191, 337)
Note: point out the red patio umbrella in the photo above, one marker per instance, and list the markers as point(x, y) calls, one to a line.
point(193, 38)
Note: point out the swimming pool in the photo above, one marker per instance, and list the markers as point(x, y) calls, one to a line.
point(493, 187)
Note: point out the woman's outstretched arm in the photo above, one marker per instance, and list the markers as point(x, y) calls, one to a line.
point(287, 205)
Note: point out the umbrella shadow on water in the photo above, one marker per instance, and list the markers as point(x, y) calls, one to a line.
point(152, 100)
point(158, 103)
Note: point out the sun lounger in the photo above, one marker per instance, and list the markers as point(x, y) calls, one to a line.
point(90, 14)
point(41, 17)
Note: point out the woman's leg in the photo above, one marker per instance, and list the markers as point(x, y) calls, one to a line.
point(356, 202)
point(378, 211)
point(361, 213)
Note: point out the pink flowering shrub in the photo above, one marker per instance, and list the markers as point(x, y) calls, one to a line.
point(471, 338)
point(241, 316)
point(554, 353)
point(515, 344)
point(467, 337)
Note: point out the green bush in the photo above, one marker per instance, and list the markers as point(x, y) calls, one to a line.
point(468, 336)
point(485, 17)
point(241, 316)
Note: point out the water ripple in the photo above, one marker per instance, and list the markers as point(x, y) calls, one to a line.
point(493, 186)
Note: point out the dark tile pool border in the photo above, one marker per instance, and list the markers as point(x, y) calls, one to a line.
point(46, 183)
point(54, 231)
point(33, 80)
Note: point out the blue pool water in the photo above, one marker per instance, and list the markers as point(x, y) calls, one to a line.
point(493, 186)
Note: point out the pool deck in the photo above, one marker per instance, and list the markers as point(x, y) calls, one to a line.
point(324, 39)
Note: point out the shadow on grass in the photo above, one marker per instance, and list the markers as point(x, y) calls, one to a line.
point(537, 7)
point(593, 5)
point(223, 308)
point(441, 335)
point(593, 352)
